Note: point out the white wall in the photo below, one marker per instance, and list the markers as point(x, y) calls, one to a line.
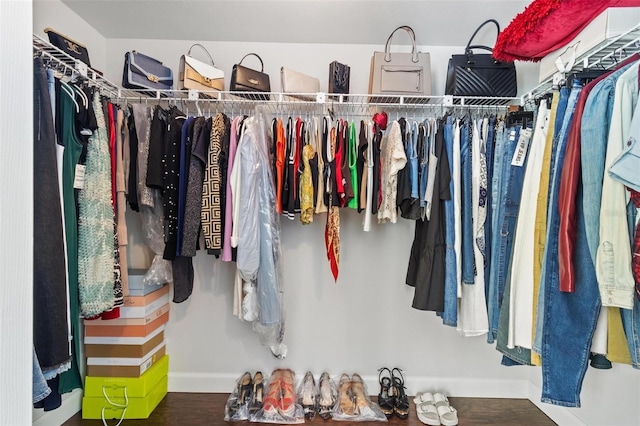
point(58, 16)
point(16, 213)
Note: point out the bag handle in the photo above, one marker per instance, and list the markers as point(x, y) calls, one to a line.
point(414, 53)
point(256, 55)
point(470, 47)
point(203, 48)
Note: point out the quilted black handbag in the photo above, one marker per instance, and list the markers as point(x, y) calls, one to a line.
point(472, 74)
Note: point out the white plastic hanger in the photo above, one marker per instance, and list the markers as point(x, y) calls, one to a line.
point(69, 91)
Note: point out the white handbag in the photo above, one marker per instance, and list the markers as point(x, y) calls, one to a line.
point(400, 73)
point(295, 82)
point(198, 75)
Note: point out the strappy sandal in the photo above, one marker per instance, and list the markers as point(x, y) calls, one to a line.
point(426, 409)
point(385, 397)
point(271, 401)
point(327, 396)
point(400, 400)
point(448, 414)
point(287, 406)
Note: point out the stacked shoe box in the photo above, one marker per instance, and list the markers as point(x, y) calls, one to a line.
point(126, 362)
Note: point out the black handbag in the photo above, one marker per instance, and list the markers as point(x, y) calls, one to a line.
point(245, 79)
point(70, 47)
point(474, 74)
point(144, 72)
point(339, 77)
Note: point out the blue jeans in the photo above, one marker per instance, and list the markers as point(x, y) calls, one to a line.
point(567, 343)
point(466, 201)
point(560, 111)
point(506, 214)
point(450, 314)
point(494, 190)
point(560, 387)
point(40, 388)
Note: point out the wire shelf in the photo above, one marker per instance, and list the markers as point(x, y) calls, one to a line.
point(605, 55)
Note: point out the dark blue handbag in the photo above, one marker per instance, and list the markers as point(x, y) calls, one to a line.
point(144, 72)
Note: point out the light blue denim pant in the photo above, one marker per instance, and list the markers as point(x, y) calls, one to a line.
point(507, 202)
point(40, 388)
point(450, 314)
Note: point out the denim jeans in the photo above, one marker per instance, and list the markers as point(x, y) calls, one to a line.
point(506, 214)
point(567, 343)
point(560, 112)
point(561, 378)
point(450, 314)
point(40, 388)
point(494, 190)
point(467, 218)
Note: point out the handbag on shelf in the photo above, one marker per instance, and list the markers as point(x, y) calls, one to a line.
point(70, 47)
point(397, 73)
point(472, 74)
point(298, 84)
point(245, 79)
point(339, 77)
point(198, 75)
point(146, 73)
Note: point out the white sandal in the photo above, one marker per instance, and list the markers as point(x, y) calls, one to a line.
point(426, 409)
point(448, 414)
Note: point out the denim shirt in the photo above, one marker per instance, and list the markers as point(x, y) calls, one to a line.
point(613, 258)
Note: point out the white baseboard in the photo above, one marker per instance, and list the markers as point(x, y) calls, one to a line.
point(71, 404)
point(561, 415)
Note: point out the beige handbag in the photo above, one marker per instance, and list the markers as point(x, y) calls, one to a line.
point(198, 75)
point(295, 82)
point(400, 73)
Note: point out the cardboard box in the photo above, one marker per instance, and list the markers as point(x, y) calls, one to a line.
point(126, 370)
point(126, 330)
point(143, 311)
point(136, 387)
point(136, 408)
point(146, 300)
point(129, 321)
point(609, 24)
point(123, 347)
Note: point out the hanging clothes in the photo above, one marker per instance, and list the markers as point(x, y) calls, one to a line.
point(426, 270)
point(393, 160)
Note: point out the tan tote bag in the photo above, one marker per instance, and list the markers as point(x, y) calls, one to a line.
point(394, 74)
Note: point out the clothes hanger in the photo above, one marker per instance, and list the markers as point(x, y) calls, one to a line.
point(69, 91)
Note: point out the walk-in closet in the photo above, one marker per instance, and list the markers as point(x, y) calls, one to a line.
point(452, 249)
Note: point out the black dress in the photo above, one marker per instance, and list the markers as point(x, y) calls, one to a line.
point(426, 271)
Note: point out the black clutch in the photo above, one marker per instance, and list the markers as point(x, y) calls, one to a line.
point(339, 77)
point(70, 47)
point(245, 79)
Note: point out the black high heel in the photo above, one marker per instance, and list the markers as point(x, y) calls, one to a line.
point(385, 397)
point(400, 401)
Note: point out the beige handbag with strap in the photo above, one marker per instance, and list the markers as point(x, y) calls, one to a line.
point(400, 73)
point(198, 75)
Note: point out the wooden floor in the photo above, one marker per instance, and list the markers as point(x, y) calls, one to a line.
point(208, 409)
